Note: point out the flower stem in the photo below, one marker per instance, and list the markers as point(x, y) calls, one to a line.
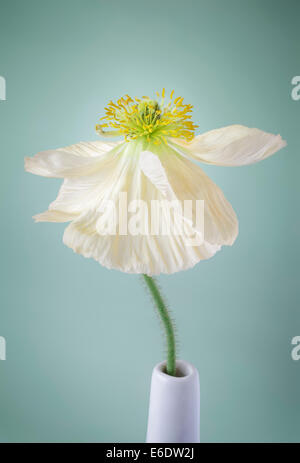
point(167, 323)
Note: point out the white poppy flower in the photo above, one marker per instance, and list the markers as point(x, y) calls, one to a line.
point(153, 162)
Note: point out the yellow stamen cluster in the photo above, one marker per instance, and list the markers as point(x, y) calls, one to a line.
point(151, 119)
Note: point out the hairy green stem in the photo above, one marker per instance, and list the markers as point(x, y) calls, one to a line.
point(167, 323)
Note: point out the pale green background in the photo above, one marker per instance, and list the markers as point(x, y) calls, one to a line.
point(82, 340)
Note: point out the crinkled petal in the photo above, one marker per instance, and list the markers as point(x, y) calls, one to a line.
point(151, 166)
point(148, 177)
point(93, 168)
point(73, 161)
point(149, 254)
point(235, 145)
point(188, 182)
point(53, 216)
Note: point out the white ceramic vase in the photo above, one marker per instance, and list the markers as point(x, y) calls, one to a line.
point(174, 409)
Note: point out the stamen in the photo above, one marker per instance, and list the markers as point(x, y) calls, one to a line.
point(143, 117)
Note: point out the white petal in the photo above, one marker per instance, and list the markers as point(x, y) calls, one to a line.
point(147, 177)
point(75, 160)
point(151, 166)
point(54, 216)
point(77, 193)
point(151, 255)
point(186, 181)
point(235, 145)
point(88, 182)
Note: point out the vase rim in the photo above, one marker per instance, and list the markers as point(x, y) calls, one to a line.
point(184, 370)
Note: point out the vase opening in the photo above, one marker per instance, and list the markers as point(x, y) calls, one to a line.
point(183, 369)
